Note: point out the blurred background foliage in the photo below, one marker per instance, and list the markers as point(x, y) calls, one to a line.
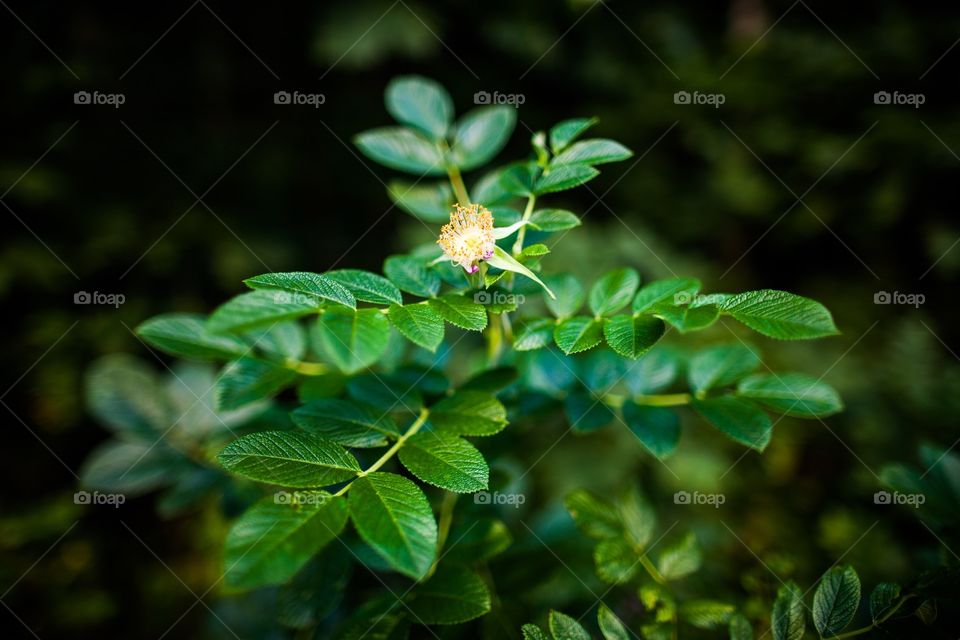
point(199, 180)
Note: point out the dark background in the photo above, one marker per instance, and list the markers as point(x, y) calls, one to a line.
point(103, 199)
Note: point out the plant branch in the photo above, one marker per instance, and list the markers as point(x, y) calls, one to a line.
point(655, 400)
point(392, 451)
point(522, 232)
point(459, 188)
point(876, 623)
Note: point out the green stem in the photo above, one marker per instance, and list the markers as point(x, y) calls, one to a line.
point(522, 232)
point(652, 570)
point(446, 519)
point(656, 400)
point(876, 623)
point(494, 339)
point(459, 188)
point(392, 451)
point(307, 368)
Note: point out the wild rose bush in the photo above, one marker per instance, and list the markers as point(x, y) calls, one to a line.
point(353, 425)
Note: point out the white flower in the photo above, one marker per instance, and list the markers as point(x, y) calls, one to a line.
point(469, 237)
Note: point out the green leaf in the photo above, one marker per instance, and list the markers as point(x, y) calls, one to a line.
point(274, 539)
point(577, 334)
point(421, 103)
point(412, 276)
point(503, 260)
point(481, 134)
point(130, 468)
point(657, 428)
point(533, 632)
point(535, 334)
point(550, 220)
point(591, 152)
point(836, 600)
point(563, 627)
point(570, 295)
point(534, 251)
point(631, 336)
point(706, 614)
point(786, 619)
point(638, 517)
point(595, 517)
point(491, 380)
point(403, 149)
point(258, 308)
point(653, 372)
point(610, 625)
point(477, 540)
point(366, 286)
point(349, 423)
point(311, 285)
point(740, 628)
point(680, 559)
point(616, 561)
point(613, 291)
point(248, 380)
point(563, 133)
point(429, 202)
point(721, 365)
point(186, 335)
point(778, 314)
point(393, 516)
point(742, 421)
point(289, 459)
point(563, 178)
point(795, 394)
point(386, 393)
point(469, 413)
point(687, 318)
point(883, 598)
point(659, 292)
point(354, 340)
point(316, 591)
point(460, 311)
point(418, 323)
point(451, 596)
point(282, 340)
point(124, 395)
point(445, 461)
point(586, 413)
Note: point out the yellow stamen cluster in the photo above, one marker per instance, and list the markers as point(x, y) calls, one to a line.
point(469, 236)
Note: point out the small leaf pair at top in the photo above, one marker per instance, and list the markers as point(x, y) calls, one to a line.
point(274, 539)
point(781, 315)
point(289, 459)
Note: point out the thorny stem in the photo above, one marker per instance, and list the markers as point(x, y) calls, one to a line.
point(418, 423)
